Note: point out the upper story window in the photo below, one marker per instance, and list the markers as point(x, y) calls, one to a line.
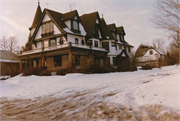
point(52, 42)
point(121, 37)
point(113, 44)
point(96, 43)
point(47, 29)
point(76, 40)
point(129, 49)
point(75, 25)
point(120, 47)
point(114, 34)
point(150, 52)
point(61, 41)
point(46, 44)
point(89, 42)
point(105, 45)
point(96, 30)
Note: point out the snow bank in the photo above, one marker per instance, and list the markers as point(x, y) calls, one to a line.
point(156, 86)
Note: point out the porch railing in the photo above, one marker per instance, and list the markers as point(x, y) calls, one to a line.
point(56, 47)
point(32, 51)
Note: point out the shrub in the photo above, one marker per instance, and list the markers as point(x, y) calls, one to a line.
point(45, 73)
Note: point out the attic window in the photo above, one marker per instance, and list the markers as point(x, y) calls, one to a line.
point(150, 52)
point(75, 25)
point(47, 29)
point(122, 37)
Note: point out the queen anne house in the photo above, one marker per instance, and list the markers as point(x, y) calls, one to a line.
point(60, 40)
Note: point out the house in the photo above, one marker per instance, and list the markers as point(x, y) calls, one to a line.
point(149, 56)
point(59, 40)
point(9, 63)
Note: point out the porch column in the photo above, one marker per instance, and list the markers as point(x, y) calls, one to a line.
point(37, 64)
point(43, 60)
point(21, 65)
point(70, 59)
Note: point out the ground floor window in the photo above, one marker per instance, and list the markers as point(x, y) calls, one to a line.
point(58, 61)
point(77, 59)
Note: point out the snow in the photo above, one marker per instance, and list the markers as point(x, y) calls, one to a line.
point(5, 60)
point(69, 31)
point(159, 51)
point(156, 86)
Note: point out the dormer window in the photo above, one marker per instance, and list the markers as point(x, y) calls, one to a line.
point(95, 31)
point(114, 35)
point(75, 25)
point(47, 29)
point(122, 37)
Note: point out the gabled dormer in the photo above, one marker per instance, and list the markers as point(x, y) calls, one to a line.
point(112, 28)
point(121, 33)
point(92, 25)
point(72, 20)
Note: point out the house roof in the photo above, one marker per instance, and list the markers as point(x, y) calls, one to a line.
point(141, 51)
point(69, 15)
point(88, 22)
point(121, 29)
point(37, 17)
point(7, 56)
point(111, 26)
point(57, 17)
point(106, 29)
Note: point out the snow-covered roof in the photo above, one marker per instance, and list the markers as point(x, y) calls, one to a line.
point(6, 56)
point(159, 51)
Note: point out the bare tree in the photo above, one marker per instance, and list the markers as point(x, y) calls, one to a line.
point(167, 17)
point(9, 44)
point(158, 43)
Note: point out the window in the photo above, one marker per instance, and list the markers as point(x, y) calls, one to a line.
point(96, 43)
point(156, 56)
point(89, 42)
point(47, 29)
point(105, 45)
point(58, 61)
point(95, 31)
point(114, 61)
point(120, 47)
point(122, 37)
point(46, 44)
point(76, 40)
point(129, 49)
point(75, 25)
point(77, 59)
point(113, 44)
point(52, 42)
point(150, 52)
point(82, 42)
point(114, 35)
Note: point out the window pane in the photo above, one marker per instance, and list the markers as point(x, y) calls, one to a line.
point(47, 27)
point(105, 45)
point(96, 43)
point(89, 42)
point(51, 26)
point(82, 42)
point(120, 47)
point(43, 28)
point(46, 43)
point(75, 25)
point(53, 42)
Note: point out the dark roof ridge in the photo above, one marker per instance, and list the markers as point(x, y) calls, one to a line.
point(52, 10)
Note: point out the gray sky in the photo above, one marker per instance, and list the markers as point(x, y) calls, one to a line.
point(16, 16)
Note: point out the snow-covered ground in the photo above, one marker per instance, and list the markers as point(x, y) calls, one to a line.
point(133, 89)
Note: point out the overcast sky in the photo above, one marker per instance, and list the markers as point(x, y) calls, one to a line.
point(16, 16)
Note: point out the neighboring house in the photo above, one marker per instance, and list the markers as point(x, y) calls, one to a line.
point(149, 56)
point(60, 40)
point(9, 63)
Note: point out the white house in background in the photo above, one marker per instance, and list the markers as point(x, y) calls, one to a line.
point(58, 40)
point(149, 56)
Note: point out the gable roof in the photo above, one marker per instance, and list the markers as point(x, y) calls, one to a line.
point(7, 56)
point(121, 29)
point(106, 30)
point(141, 51)
point(37, 17)
point(69, 15)
point(88, 22)
point(111, 26)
